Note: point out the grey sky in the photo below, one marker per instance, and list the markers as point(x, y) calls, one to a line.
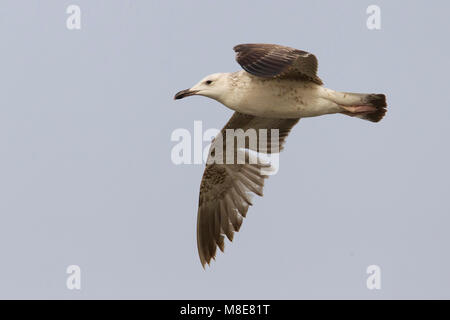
point(86, 176)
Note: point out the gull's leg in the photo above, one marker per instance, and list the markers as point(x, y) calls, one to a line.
point(359, 109)
point(366, 106)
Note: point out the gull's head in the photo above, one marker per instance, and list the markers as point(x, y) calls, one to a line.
point(213, 86)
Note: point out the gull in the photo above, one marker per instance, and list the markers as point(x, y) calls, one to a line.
point(277, 86)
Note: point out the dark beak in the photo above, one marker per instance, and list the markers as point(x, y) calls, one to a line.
point(185, 93)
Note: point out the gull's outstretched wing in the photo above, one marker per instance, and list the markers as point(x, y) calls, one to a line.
point(275, 61)
point(225, 190)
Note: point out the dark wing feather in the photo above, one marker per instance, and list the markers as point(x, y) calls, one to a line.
point(225, 190)
point(274, 61)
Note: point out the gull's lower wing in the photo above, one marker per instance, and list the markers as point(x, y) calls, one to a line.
point(226, 189)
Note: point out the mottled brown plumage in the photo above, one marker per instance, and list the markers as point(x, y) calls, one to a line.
point(275, 61)
point(225, 190)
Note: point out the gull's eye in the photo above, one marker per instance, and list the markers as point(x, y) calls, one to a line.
point(208, 82)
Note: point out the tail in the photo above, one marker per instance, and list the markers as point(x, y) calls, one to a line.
point(370, 107)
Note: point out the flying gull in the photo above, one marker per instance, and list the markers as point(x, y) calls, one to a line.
point(278, 86)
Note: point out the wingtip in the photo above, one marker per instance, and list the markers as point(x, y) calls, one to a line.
point(204, 263)
point(236, 47)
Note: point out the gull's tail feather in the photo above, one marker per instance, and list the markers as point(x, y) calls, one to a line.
point(371, 107)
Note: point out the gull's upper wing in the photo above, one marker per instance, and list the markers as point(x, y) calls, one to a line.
point(225, 190)
point(271, 60)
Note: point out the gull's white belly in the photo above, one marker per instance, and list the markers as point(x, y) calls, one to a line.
point(280, 98)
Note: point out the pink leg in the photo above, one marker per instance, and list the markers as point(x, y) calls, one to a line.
point(359, 109)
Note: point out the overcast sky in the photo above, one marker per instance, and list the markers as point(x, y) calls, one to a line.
point(86, 176)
